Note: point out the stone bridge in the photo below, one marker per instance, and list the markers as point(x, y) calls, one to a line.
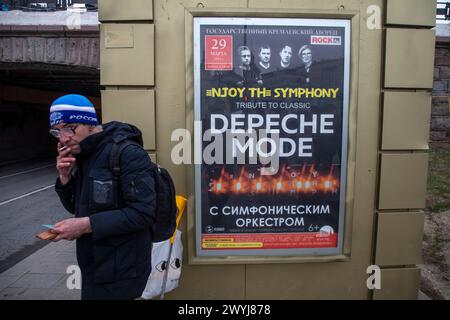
point(50, 50)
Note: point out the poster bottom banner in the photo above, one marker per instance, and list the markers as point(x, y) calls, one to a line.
point(270, 241)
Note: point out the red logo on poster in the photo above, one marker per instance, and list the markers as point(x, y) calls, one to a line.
point(218, 53)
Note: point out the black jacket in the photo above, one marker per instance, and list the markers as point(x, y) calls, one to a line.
point(115, 259)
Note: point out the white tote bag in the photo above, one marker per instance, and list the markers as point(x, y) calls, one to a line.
point(160, 253)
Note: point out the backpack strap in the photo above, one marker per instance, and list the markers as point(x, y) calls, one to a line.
point(114, 157)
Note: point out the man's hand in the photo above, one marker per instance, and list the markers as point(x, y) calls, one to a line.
point(73, 228)
point(64, 164)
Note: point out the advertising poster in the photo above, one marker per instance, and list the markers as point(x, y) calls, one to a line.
point(271, 101)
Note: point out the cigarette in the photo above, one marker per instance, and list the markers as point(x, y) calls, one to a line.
point(62, 148)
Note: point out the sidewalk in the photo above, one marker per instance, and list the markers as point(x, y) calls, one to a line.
point(42, 275)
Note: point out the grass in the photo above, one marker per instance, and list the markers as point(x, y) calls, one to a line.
point(436, 236)
point(438, 189)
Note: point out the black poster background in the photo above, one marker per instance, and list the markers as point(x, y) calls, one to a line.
point(326, 71)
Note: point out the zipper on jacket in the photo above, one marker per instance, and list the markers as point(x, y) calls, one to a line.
point(134, 187)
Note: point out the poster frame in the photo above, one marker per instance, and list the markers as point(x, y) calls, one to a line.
point(345, 246)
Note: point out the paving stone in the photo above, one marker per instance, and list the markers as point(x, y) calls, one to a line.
point(37, 281)
point(50, 267)
point(23, 294)
point(6, 281)
point(61, 292)
point(18, 270)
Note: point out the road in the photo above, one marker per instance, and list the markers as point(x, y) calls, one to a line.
point(27, 200)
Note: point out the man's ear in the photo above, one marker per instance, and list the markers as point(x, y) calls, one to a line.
point(93, 128)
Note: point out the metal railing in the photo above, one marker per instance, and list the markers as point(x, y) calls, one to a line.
point(45, 5)
point(443, 11)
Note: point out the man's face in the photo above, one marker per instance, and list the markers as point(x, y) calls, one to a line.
point(246, 57)
point(71, 134)
point(264, 55)
point(286, 54)
point(306, 56)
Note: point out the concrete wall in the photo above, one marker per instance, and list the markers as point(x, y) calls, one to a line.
point(51, 44)
point(440, 112)
point(146, 70)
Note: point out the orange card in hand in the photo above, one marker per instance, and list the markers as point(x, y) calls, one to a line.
point(47, 235)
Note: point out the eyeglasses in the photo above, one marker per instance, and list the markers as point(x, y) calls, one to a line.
point(66, 131)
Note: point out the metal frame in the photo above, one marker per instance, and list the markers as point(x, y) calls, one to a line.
point(346, 87)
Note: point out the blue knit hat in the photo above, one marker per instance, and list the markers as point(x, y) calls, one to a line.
point(72, 108)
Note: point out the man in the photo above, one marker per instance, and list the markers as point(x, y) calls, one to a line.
point(112, 216)
point(285, 75)
point(246, 57)
point(285, 55)
point(305, 55)
point(264, 57)
point(250, 74)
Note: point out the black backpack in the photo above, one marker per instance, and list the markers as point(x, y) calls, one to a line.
point(166, 207)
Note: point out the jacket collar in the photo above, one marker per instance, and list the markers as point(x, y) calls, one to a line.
point(92, 142)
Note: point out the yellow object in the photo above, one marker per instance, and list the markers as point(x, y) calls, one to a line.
point(181, 205)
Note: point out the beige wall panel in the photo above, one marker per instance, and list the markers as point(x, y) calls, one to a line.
point(398, 284)
point(197, 282)
point(399, 238)
point(127, 54)
point(211, 282)
point(403, 180)
point(406, 120)
point(153, 156)
point(409, 58)
point(288, 280)
point(307, 281)
point(307, 5)
point(399, 12)
point(368, 82)
point(214, 281)
point(123, 10)
point(136, 107)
